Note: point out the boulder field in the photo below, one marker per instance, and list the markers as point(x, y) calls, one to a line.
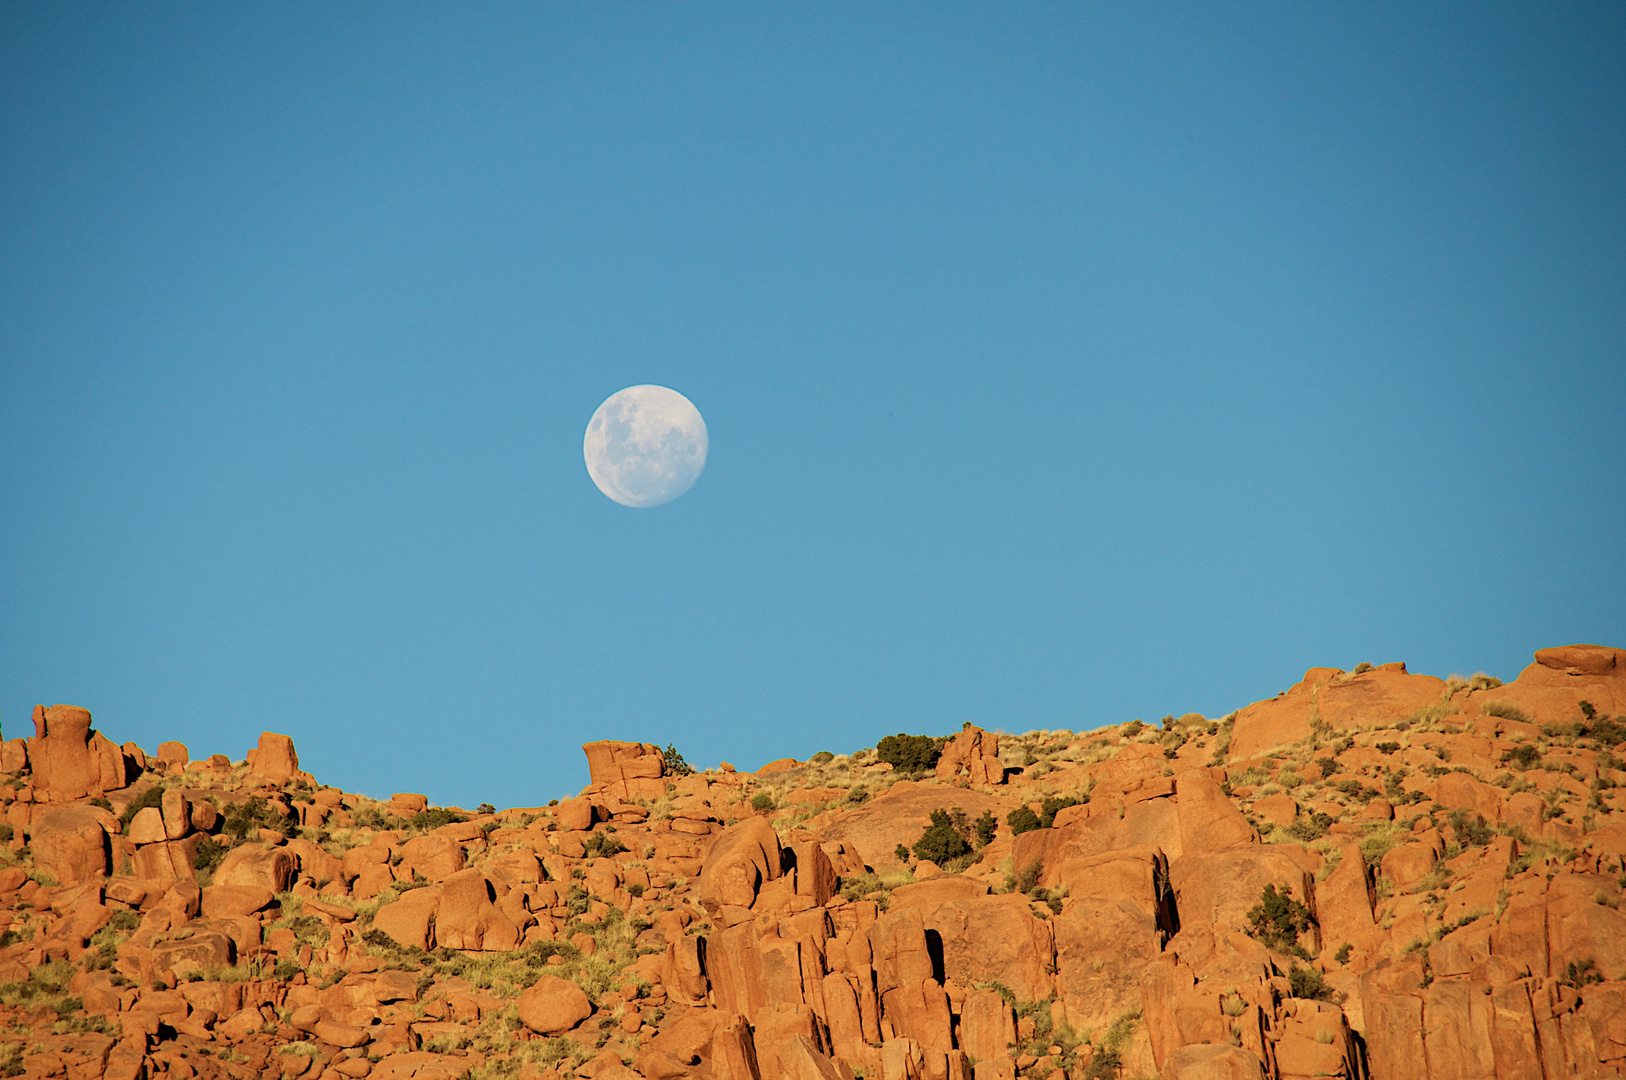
point(1373, 874)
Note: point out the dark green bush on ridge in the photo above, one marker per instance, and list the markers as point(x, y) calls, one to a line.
point(910, 753)
point(672, 762)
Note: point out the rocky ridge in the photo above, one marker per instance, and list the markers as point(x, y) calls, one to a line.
point(1372, 874)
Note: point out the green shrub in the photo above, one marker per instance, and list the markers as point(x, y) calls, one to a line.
point(1049, 807)
point(858, 795)
point(673, 762)
point(485, 808)
point(207, 855)
point(1308, 983)
point(601, 845)
point(1278, 920)
point(1310, 827)
point(242, 819)
point(1386, 748)
point(1022, 820)
point(435, 818)
point(1609, 732)
point(909, 753)
point(1328, 766)
point(941, 841)
point(1342, 955)
point(1471, 832)
point(823, 757)
point(762, 802)
point(985, 826)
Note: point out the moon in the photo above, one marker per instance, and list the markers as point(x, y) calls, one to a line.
point(645, 445)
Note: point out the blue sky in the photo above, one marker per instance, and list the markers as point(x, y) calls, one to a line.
point(1062, 364)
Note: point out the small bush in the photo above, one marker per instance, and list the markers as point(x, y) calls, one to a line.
point(1342, 955)
point(823, 757)
point(207, 855)
point(1049, 807)
point(1471, 832)
point(601, 845)
point(1278, 920)
point(857, 795)
point(1022, 820)
point(485, 808)
point(250, 817)
point(1308, 983)
point(986, 826)
point(1522, 757)
point(909, 753)
point(672, 762)
point(942, 840)
point(1028, 877)
point(435, 818)
point(1310, 827)
point(762, 802)
point(1386, 748)
point(1328, 766)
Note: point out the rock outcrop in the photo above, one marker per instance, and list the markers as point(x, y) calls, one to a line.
point(1373, 875)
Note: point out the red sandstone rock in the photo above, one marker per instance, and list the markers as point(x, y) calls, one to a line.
point(73, 843)
point(468, 917)
point(259, 867)
point(68, 760)
point(410, 921)
point(553, 1005)
point(972, 756)
point(625, 771)
point(744, 857)
point(274, 759)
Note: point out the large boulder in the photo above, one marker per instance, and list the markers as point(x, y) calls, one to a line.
point(972, 756)
point(988, 939)
point(552, 1005)
point(468, 917)
point(744, 856)
point(73, 843)
point(258, 866)
point(410, 921)
point(434, 857)
point(274, 759)
point(1219, 888)
point(624, 770)
point(69, 760)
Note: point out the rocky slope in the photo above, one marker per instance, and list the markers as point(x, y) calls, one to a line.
point(1373, 873)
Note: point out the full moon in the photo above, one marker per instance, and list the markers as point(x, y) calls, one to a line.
point(645, 445)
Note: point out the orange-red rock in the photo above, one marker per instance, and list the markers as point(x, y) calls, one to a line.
point(552, 1005)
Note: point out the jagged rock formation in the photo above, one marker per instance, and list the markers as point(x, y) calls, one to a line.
point(1373, 874)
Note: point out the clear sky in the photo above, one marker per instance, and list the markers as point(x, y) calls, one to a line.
point(1062, 363)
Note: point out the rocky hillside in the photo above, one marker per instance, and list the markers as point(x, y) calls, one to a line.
point(1372, 874)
